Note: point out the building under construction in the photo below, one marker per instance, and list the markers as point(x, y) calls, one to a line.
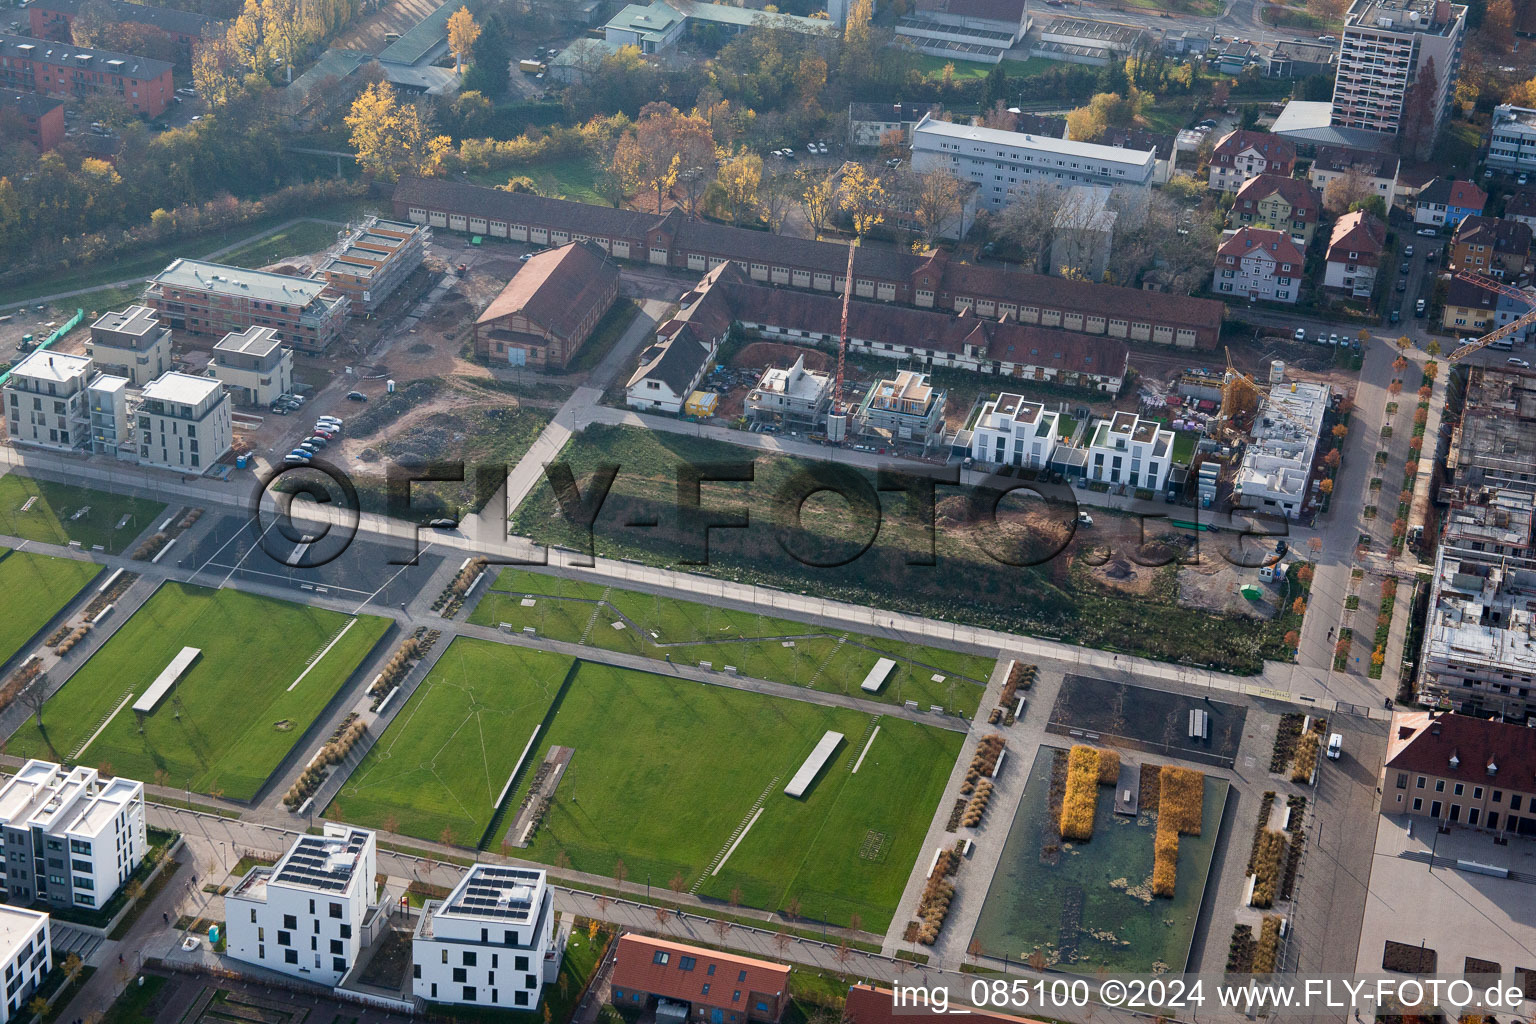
point(1276, 471)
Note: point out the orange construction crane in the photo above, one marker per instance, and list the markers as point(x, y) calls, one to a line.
point(1499, 334)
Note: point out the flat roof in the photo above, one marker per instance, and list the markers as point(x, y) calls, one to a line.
point(135, 319)
point(109, 382)
point(495, 892)
point(1020, 140)
point(255, 284)
point(323, 863)
point(182, 388)
point(17, 925)
point(253, 341)
point(45, 364)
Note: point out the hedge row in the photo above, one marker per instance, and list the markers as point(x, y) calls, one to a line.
point(1082, 795)
point(1266, 868)
point(1269, 945)
point(1181, 798)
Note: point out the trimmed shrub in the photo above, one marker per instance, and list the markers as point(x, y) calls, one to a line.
point(1082, 796)
point(1181, 798)
point(1266, 868)
point(1306, 756)
point(1109, 767)
point(1165, 858)
point(1269, 945)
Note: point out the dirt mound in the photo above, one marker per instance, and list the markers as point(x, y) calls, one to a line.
point(773, 354)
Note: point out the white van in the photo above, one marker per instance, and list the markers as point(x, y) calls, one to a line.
point(1335, 746)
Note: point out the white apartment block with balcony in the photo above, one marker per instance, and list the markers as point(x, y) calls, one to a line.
point(26, 942)
point(1277, 464)
point(1127, 449)
point(303, 916)
point(491, 943)
point(254, 365)
point(131, 344)
point(1384, 46)
point(45, 401)
point(1512, 141)
point(184, 423)
point(71, 838)
point(1013, 432)
point(999, 162)
point(111, 432)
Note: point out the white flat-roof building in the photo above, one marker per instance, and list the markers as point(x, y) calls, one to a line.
point(1013, 432)
point(1385, 47)
point(1000, 162)
point(490, 943)
point(45, 401)
point(254, 365)
point(131, 344)
point(1277, 465)
point(304, 915)
point(71, 839)
point(1512, 140)
point(26, 952)
point(1127, 449)
point(794, 394)
point(184, 423)
point(107, 397)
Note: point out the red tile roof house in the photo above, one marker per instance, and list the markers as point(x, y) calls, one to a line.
point(690, 983)
point(549, 308)
point(1285, 204)
point(1444, 202)
point(1461, 770)
point(1259, 264)
point(1245, 154)
point(1354, 253)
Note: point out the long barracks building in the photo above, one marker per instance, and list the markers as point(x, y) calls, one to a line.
point(883, 273)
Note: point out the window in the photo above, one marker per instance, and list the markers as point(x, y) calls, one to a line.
point(1458, 789)
point(660, 957)
point(460, 974)
point(705, 991)
point(521, 998)
point(336, 910)
point(469, 959)
point(416, 970)
point(289, 921)
point(521, 963)
point(711, 971)
point(686, 963)
point(1420, 783)
point(741, 976)
point(736, 996)
point(345, 931)
point(290, 956)
point(1439, 785)
point(285, 938)
point(469, 993)
point(337, 946)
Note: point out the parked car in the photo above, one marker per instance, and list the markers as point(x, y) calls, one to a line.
point(294, 460)
point(1395, 317)
point(1524, 178)
point(443, 524)
point(1402, 284)
point(1517, 361)
point(1084, 519)
point(1301, 334)
point(307, 446)
point(281, 410)
point(1403, 269)
point(1428, 232)
point(1322, 337)
point(1408, 251)
point(329, 423)
point(300, 453)
point(356, 396)
point(316, 440)
point(1418, 308)
point(1333, 339)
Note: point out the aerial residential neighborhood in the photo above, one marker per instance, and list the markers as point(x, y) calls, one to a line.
point(582, 512)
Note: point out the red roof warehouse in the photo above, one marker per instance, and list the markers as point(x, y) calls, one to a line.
point(690, 983)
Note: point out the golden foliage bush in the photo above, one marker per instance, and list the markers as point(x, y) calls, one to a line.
point(1109, 767)
point(1306, 756)
point(1165, 858)
point(1181, 798)
point(1269, 945)
point(1266, 868)
point(1082, 794)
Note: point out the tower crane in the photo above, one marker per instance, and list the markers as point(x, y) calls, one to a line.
point(837, 419)
point(1514, 327)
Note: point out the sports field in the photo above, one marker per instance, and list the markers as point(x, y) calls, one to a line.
point(760, 646)
point(39, 586)
point(55, 516)
point(444, 759)
point(665, 771)
point(236, 712)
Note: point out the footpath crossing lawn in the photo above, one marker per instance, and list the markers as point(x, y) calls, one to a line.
point(52, 519)
point(37, 587)
point(444, 759)
point(665, 770)
point(760, 646)
point(236, 712)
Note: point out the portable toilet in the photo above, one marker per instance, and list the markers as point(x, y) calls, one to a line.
point(213, 934)
point(240, 461)
point(389, 386)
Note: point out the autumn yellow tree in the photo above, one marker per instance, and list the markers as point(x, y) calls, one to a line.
point(740, 179)
point(862, 197)
point(248, 40)
point(817, 199)
point(938, 199)
point(215, 72)
point(462, 33)
point(393, 138)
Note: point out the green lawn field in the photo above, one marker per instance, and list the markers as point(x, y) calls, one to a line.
point(665, 770)
point(658, 627)
point(46, 584)
point(50, 519)
point(444, 759)
point(236, 712)
point(298, 239)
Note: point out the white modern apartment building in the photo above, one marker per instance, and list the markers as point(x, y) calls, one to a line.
point(303, 916)
point(45, 401)
point(490, 943)
point(1013, 432)
point(131, 344)
point(70, 838)
point(1386, 44)
point(1000, 162)
point(254, 365)
point(1127, 449)
point(184, 423)
point(1512, 142)
point(1277, 465)
point(26, 943)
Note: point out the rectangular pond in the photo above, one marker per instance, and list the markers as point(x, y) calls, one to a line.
point(1089, 906)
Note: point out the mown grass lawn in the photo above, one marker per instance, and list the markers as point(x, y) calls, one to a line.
point(709, 755)
point(758, 645)
point(299, 239)
point(39, 586)
point(51, 520)
point(571, 178)
point(236, 712)
point(444, 759)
